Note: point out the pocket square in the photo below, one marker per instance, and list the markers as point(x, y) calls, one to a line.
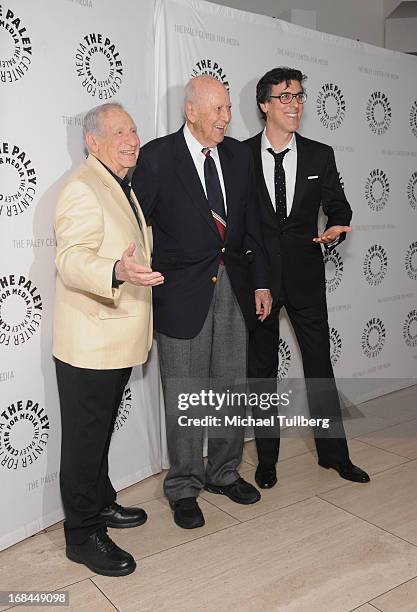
point(313, 176)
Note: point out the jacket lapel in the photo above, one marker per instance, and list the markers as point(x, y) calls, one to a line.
point(117, 194)
point(301, 175)
point(188, 174)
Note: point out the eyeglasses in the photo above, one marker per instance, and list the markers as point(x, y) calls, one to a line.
point(287, 97)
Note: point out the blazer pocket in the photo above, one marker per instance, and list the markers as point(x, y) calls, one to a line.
point(119, 311)
point(313, 176)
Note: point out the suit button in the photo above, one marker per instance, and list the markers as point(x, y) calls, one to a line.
point(223, 250)
point(214, 279)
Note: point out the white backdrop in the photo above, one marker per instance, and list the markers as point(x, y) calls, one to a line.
point(58, 58)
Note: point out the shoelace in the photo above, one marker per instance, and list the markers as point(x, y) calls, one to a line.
point(104, 543)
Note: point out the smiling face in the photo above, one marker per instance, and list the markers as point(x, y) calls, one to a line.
point(208, 111)
point(117, 144)
point(283, 118)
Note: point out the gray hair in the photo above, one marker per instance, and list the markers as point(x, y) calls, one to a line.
point(92, 119)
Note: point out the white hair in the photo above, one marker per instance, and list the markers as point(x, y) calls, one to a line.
point(92, 119)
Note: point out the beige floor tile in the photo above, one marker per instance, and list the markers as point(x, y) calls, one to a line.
point(403, 598)
point(394, 407)
point(271, 563)
point(388, 501)
point(300, 477)
point(83, 597)
point(37, 564)
point(150, 488)
point(366, 608)
point(58, 525)
point(160, 532)
point(400, 439)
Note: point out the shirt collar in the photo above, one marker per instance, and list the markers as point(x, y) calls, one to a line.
point(194, 146)
point(265, 144)
point(121, 181)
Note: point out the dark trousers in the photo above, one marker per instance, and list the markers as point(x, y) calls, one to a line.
point(311, 328)
point(89, 403)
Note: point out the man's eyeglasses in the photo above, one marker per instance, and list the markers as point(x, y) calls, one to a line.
point(287, 97)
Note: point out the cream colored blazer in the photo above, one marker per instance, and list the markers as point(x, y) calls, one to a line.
point(96, 326)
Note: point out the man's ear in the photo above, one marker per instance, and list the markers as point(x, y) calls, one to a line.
point(91, 142)
point(190, 112)
point(264, 106)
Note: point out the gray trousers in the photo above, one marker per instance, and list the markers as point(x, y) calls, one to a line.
point(216, 357)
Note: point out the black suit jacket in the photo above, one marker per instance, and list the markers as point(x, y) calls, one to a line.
point(187, 245)
point(295, 260)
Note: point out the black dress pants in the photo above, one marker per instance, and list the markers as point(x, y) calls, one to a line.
point(89, 403)
point(311, 328)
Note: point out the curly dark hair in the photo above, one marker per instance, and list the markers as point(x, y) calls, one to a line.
point(274, 77)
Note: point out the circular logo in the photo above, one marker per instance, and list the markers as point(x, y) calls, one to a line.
point(377, 190)
point(412, 191)
point(16, 46)
point(373, 337)
point(334, 270)
point(411, 261)
point(24, 433)
point(99, 66)
point(410, 328)
point(20, 310)
point(284, 359)
point(378, 113)
point(212, 68)
point(331, 106)
point(17, 180)
point(335, 346)
point(375, 265)
point(342, 182)
point(124, 409)
point(413, 118)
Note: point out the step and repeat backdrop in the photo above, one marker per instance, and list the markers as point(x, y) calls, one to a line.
point(58, 58)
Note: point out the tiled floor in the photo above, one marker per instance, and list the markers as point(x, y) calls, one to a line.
point(314, 543)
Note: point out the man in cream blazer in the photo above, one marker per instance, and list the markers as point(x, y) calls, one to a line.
point(102, 327)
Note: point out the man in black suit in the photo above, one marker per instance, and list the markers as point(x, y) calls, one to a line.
point(294, 176)
point(198, 189)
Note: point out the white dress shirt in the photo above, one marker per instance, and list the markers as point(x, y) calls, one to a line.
point(199, 158)
point(289, 164)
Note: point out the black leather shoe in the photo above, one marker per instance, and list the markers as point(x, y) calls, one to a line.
point(265, 477)
point(102, 556)
point(123, 518)
point(187, 513)
point(348, 471)
point(240, 491)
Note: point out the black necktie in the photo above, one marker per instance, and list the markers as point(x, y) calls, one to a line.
point(214, 192)
point(127, 191)
point(280, 190)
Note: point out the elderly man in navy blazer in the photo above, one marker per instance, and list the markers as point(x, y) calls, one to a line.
point(197, 188)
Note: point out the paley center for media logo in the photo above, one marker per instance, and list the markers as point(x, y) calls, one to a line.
point(18, 48)
point(284, 359)
point(413, 118)
point(410, 329)
point(24, 434)
point(335, 346)
point(99, 66)
point(17, 180)
point(212, 68)
point(378, 113)
point(20, 310)
point(124, 409)
point(331, 106)
point(411, 261)
point(334, 270)
point(375, 265)
point(373, 337)
point(412, 191)
point(377, 189)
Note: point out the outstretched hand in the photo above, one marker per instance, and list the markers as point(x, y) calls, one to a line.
point(332, 233)
point(130, 271)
